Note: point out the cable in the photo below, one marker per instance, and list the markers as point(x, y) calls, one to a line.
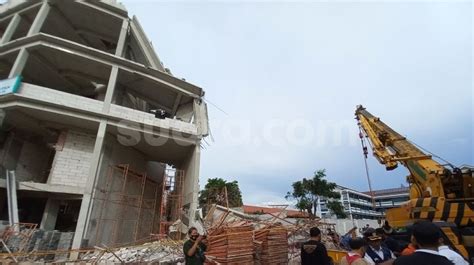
point(364, 148)
point(431, 153)
point(217, 107)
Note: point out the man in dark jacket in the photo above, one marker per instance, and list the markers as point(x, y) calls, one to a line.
point(426, 236)
point(313, 252)
point(194, 248)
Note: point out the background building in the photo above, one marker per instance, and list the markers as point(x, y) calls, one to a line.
point(390, 198)
point(359, 205)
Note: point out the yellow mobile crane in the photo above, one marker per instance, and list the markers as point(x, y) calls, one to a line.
point(440, 193)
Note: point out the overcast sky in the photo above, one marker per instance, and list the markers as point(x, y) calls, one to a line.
point(284, 79)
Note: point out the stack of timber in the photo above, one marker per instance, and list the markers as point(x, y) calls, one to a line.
point(273, 245)
point(231, 244)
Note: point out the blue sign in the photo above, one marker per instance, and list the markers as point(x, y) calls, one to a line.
point(9, 86)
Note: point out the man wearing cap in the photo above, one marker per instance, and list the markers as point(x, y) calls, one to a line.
point(388, 241)
point(376, 253)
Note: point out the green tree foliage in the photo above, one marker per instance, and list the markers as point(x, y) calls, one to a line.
point(214, 192)
point(307, 191)
point(337, 208)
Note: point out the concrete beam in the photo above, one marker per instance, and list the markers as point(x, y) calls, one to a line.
point(154, 132)
point(108, 11)
point(39, 19)
point(12, 26)
point(33, 186)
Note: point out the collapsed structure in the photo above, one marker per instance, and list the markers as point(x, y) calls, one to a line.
point(102, 139)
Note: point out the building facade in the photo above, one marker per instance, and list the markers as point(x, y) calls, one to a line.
point(390, 198)
point(99, 135)
point(360, 205)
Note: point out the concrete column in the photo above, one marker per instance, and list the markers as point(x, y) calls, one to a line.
point(50, 215)
point(12, 198)
point(20, 63)
point(109, 94)
point(39, 19)
point(191, 182)
point(110, 89)
point(12, 26)
point(86, 205)
point(122, 38)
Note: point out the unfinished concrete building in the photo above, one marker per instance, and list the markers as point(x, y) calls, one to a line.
point(104, 141)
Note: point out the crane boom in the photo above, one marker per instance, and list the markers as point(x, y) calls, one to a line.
point(438, 193)
point(427, 178)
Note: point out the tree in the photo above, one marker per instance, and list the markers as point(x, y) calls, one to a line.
point(336, 208)
point(307, 191)
point(214, 192)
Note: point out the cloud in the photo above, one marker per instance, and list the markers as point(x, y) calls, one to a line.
point(408, 63)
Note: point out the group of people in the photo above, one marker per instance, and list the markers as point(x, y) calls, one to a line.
point(377, 247)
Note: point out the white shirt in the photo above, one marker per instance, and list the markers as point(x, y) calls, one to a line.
point(378, 252)
point(452, 255)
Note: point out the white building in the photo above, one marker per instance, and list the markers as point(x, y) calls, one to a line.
point(360, 205)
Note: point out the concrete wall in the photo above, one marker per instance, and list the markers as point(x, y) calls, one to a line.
point(114, 217)
point(10, 153)
point(71, 164)
point(58, 97)
point(149, 119)
point(33, 162)
point(344, 225)
point(40, 93)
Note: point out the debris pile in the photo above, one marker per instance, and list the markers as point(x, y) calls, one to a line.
point(272, 243)
point(163, 251)
point(231, 244)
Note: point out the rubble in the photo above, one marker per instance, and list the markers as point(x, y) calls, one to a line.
point(163, 251)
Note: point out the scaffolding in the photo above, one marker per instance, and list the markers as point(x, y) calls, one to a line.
point(131, 207)
point(171, 200)
point(128, 206)
point(21, 232)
